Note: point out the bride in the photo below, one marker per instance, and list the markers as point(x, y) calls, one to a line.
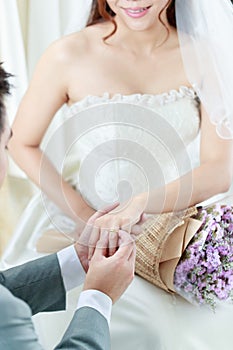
point(129, 57)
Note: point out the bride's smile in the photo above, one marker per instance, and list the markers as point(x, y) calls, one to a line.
point(137, 15)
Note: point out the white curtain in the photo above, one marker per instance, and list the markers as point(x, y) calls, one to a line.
point(27, 27)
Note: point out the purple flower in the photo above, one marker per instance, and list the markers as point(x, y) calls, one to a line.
point(223, 250)
point(205, 270)
point(213, 259)
point(221, 290)
point(230, 281)
point(228, 216)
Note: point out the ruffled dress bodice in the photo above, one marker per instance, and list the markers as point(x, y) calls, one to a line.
point(125, 150)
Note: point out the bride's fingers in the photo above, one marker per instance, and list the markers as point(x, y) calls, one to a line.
point(89, 235)
point(126, 225)
point(85, 235)
point(104, 242)
point(113, 240)
point(94, 237)
point(101, 212)
point(136, 230)
point(143, 219)
point(102, 245)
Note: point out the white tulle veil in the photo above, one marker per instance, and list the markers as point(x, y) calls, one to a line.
point(81, 15)
point(205, 30)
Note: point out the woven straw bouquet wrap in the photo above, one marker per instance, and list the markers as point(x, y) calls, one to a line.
point(161, 245)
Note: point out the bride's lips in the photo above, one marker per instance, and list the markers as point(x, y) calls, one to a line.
point(136, 12)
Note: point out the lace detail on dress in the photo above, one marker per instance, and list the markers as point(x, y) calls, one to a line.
point(140, 99)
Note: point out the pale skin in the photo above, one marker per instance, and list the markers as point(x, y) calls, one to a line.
point(109, 275)
point(137, 60)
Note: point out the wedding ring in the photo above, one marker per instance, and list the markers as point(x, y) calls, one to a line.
point(113, 230)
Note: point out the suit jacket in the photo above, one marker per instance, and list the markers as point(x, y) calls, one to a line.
point(35, 287)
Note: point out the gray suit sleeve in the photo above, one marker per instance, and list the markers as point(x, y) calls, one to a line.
point(88, 330)
point(39, 283)
point(16, 327)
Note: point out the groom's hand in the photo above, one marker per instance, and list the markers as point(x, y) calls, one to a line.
point(112, 275)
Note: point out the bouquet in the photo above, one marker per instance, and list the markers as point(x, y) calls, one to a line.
point(204, 273)
point(190, 253)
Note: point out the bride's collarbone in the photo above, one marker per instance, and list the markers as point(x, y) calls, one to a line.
point(125, 81)
point(98, 77)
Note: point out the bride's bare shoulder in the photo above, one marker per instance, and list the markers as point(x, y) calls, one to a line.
point(80, 43)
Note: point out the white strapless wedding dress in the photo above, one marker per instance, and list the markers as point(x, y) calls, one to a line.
point(145, 318)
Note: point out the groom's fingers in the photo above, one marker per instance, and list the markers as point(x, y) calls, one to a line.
point(126, 246)
point(133, 256)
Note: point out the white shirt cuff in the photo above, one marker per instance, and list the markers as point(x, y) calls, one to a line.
point(98, 301)
point(72, 271)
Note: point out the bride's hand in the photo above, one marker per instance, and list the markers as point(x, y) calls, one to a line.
point(83, 219)
point(127, 217)
point(82, 242)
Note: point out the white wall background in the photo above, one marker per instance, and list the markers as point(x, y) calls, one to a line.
point(27, 27)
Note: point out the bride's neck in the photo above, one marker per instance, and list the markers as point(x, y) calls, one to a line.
point(143, 42)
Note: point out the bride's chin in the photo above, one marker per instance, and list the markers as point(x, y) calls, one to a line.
point(137, 26)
